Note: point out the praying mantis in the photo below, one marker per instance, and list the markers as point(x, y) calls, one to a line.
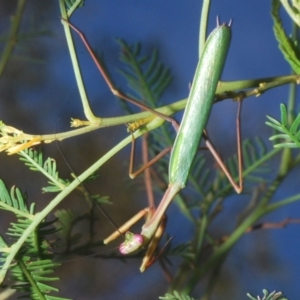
point(192, 128)
point(131, 237)
point(186, 144)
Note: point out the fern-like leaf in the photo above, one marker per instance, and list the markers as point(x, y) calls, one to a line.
point(70, 3)
point(176, 296)
point(288, 47)
point(148, 78)
point(66, 219)
point(288, 134)
point(146, 75)
point(15, 201)
point(269, 296)
point(34, 160)
point(33, 268)
point(31, 277)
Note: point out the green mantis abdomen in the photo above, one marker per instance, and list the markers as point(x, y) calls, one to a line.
point(200, 101)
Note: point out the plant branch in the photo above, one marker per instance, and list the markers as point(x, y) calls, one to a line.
point(39, 217)
point(14, 140)
point(84, 99)
point(203, 25)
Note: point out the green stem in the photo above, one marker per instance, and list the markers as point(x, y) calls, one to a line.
point(284, 202)
point(84, 99)
point(31, 280)
point(200, 238)
point(107, 122)
point(293, 88)
point(203, 25)
point(260, 84)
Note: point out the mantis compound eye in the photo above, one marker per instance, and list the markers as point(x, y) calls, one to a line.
point(132, 242)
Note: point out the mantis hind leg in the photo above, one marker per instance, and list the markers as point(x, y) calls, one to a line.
point(237, 186)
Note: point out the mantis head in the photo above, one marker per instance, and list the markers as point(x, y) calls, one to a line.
point(132, 243)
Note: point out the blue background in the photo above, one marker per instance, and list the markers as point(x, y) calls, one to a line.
point(43, 96)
